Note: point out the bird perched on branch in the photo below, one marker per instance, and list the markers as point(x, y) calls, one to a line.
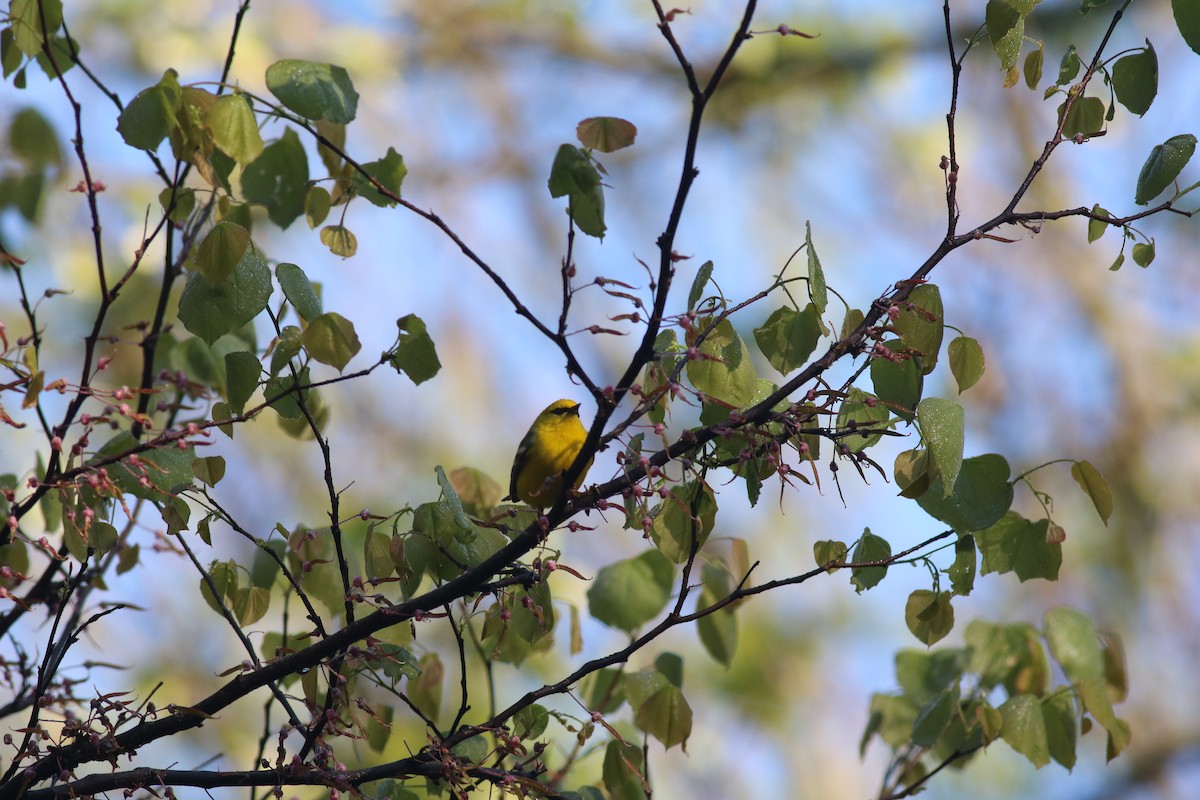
point(547, 451)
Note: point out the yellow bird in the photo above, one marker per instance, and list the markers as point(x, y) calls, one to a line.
point(547, 451)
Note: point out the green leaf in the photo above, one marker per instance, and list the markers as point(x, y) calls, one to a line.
point(1143, 253)
point(723, 370)
point(210, 470)
point(788, 337)
point(1005, 21)
point(317, 203)
point(211, 310)
point(1062, 732)
point(898, 382)
point(698, 285)
point(223, 576)
point(982, 495)
point(861, 412)
point(1135, 79)
point(221, 251)
point(410, 562)
point(150, 116)
point(962, 571)
point(265, 568)
point(929, 615)
point(287, 347)
point(603, 690)
point(666, 716)
point(26, 17)
point(920, 324)
point(175, 512)
point(943, 428)
point(891, 717)
point(165, 471)
point(528, 627)
point(1009, 655)
point(11, 55)
point(1187, 20)
point(185, 203)
point(606, 134)
point(450, 494)
point(1033, 67)
point(330, 339)
point(829, 550)
point(1116, 265)
point(1014, 544)
point(1096, 228)
point(339, 240)
point(575, 175)
point(1069, 67)
point(627, 594)
point(33, 139)
point(389, 171)
point(415, 354)
point(286, 405)
point(234, 128)
point(1024, 728)
point(623, 772)
point(298, 291)
point(966, 361)
point(934, 716)
point(1085, 117)
point(278, 179)
point(191, 139)
point(426, 690)
point(1163, 166)
point(1094, 696)
point(817, 291)
point(869, 548)
point(1116, 670)
point(924, 674)
point(458, 547)
point(1074, 643)
point(103, 537)
point(675, 528)
point(718, 631)
point(379, 727)
point(530, 722)
point(313, 90)
point(1095, 487)
point(23, 192)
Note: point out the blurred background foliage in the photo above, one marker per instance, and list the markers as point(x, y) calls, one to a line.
point(845, 130)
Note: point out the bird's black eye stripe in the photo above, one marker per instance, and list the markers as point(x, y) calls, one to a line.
point(566, 410)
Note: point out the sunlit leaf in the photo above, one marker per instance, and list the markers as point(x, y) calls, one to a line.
point(981, 496)
point(869, 548)
point(943, 429)
point(966, 361)
point(929, 615)
point(234, 128)
point(1135, 79)
point(606, 134)
point(1015, 544)
point(415, 354)
point(627, 594)
point(278, 179)
point(330, 339)
point(1024, 728)
point(1095, 487)
point(1163, 166)
point(313, 90)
